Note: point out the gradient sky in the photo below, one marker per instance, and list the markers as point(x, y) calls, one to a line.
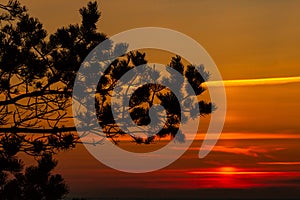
point(250, 41)
point(246, 39)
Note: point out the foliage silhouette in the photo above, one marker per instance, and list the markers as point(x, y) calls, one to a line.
point(147, 95)
point(36, 78)
point(37, 75)
point(35, 183)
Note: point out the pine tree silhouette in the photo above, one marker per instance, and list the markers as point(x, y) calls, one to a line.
point(37, 74)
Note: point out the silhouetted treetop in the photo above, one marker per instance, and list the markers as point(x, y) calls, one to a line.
point(36, 77)
point(30, 183)
point(37, 73)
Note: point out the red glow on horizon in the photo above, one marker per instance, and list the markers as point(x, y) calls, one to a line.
point(234, 177)
point(227, 170)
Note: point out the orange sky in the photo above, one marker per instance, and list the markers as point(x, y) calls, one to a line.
point(247, 40)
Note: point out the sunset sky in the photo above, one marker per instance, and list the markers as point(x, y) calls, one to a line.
point(255, 45)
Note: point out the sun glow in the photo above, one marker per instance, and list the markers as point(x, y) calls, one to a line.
point(227, 170)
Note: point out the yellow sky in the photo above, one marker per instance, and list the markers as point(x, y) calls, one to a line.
point(246, 39)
